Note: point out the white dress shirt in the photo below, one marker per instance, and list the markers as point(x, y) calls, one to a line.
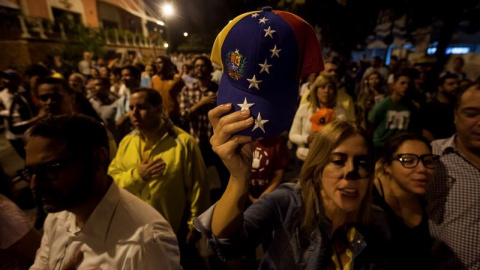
point(123, 232)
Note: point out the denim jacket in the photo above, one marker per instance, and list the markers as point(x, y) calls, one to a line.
point(280, 212)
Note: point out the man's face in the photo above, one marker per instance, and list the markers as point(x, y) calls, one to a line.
point(467, 119)
point(113, 78)
point(104, 72)
point(330, 69)
point(54, 99)
point(61, 180)
point(99, 89)
point(393, 62)
point(87, 56)
point(129, 80)
point(200, 69)
point(457, 64)
point(449, 87)
point(75, 82)
point(143, 115)
point(401, 86)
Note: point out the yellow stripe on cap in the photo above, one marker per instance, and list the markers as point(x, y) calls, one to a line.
point(216, 55)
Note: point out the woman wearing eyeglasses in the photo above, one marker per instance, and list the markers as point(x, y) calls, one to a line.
point(402, 175)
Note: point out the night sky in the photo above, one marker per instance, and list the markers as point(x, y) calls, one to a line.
point(204, 17)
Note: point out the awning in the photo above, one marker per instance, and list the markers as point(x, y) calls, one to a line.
point(9, 4)
point(125, 6)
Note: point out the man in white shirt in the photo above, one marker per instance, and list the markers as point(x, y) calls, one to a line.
point(92, 223)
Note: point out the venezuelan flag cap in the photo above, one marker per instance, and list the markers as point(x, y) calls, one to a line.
point(263, 55)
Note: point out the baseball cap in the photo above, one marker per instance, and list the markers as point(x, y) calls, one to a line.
point(263, 55)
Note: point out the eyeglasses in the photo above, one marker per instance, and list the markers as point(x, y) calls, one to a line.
point(410, 161)
point(54, 97)
point(53, 170)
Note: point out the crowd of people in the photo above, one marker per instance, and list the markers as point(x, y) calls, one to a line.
point(121, 158)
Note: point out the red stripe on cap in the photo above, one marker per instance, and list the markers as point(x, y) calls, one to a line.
point(309, 52)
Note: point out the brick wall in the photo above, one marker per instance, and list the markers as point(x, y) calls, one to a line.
point(21, 53)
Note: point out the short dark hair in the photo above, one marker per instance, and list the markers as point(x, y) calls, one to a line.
point(207, 62)
point(116, 71)
point(52, 80)
point(83, 134)
point(442, 79)
point(134, 71)
point(153, 97)
point(462, 90)
point(104, 81)
point(459, 59)
point(37, 70)
point(397, 75)
point(394, 142)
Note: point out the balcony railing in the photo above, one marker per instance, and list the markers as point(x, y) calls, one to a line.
point(17, 27)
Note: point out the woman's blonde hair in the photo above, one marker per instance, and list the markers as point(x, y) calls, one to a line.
point(321, 81)
point(330, 137)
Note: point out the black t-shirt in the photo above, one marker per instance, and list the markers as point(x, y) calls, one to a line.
point(409, 247)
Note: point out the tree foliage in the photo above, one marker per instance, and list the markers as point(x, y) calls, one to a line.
point(83, 39)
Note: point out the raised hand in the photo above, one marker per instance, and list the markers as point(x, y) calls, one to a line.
point(236, 153)
point(234, 150)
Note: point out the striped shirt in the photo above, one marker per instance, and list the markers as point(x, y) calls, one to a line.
point(453, 206)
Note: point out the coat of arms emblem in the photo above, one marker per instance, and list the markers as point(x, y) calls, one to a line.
point(235, 63)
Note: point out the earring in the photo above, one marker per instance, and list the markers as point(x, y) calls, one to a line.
point(386, 171)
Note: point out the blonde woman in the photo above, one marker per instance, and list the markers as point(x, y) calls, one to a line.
point(373, 91)
point(322, 95)
point(324, 221)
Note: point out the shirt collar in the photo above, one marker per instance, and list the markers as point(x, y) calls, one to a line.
point(98, 223)
point(449, 145)
point(137, 133)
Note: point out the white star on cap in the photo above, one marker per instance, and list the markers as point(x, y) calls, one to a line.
point(275, 52)
point(265, 67)
point(245, 105)
point(259, 123)
point(254, 15)
point(253, 82)
point(269, 32)
point(263, 20)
